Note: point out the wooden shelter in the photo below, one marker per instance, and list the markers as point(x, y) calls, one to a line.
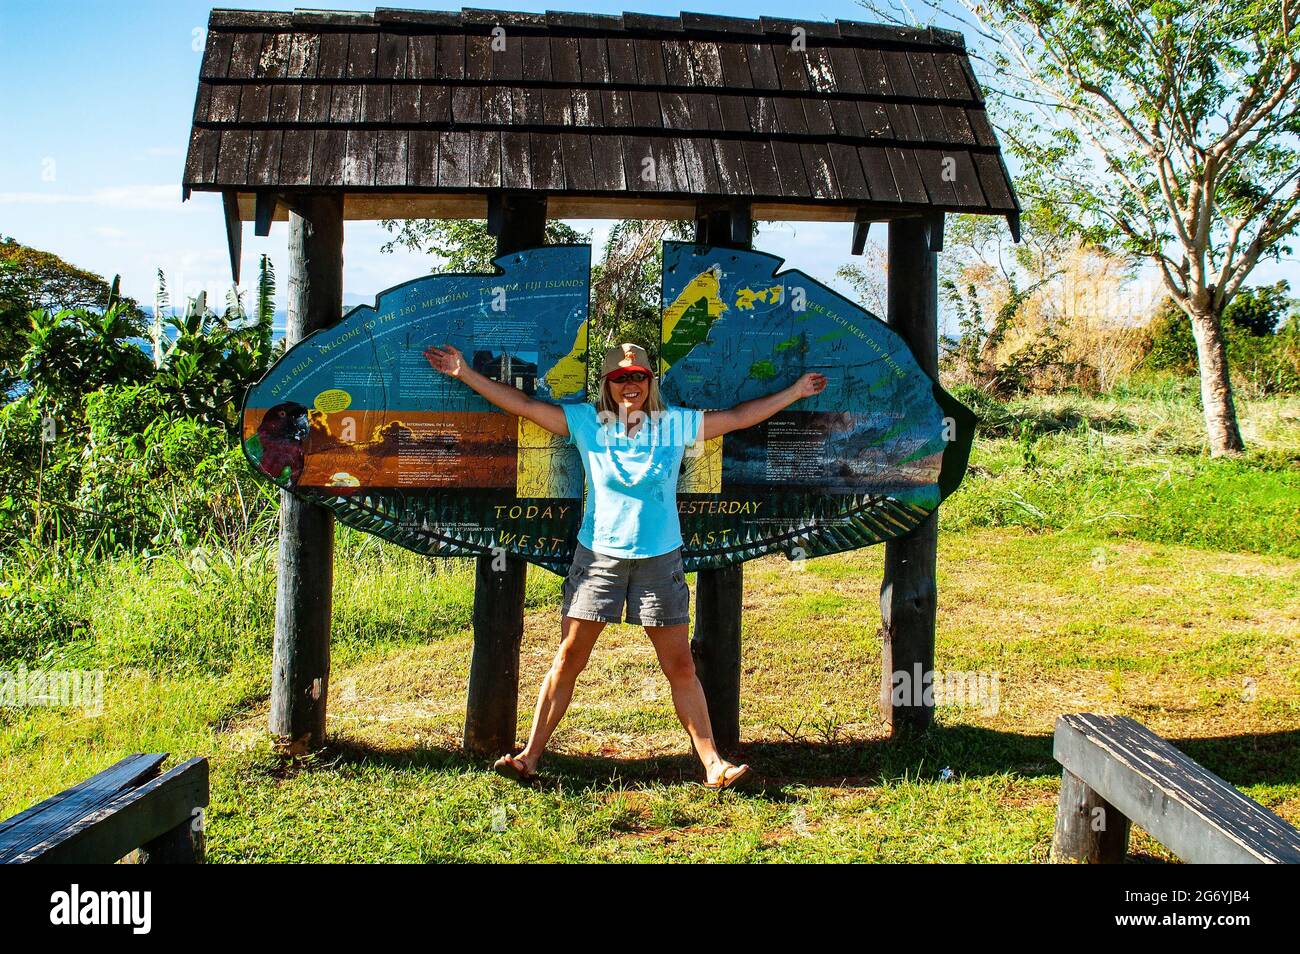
point(317, 117)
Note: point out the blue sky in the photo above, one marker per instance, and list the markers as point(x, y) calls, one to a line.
point(95, 118)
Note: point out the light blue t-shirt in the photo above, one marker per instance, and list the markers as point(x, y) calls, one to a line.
point(631, 506)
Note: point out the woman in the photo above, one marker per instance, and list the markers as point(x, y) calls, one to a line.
point(630, 543)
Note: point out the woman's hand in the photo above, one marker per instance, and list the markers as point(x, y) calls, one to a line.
point(749, 413)
point(814, 382)
point(449, 361)
point(446, 359)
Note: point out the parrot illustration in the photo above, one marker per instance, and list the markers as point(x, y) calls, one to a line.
point(280, 442)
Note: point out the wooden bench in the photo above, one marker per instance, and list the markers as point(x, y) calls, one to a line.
point(1117, 771)
point(126, 807)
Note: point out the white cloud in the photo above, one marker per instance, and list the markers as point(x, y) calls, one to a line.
point(150, 198)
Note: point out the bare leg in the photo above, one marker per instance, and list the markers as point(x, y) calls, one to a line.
point(579, 636)
point(673, 647)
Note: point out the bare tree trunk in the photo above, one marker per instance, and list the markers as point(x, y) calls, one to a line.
point(1216, 387)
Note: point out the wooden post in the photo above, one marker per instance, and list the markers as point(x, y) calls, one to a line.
point(492, 705)
point(305, 577)
point(184, 844)
point(907, 592)
point(719, 594)
point(1089, 829)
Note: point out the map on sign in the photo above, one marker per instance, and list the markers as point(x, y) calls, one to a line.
point(353, 417)
point(865, 460)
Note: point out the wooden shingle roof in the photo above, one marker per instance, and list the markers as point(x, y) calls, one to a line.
point(415, 113)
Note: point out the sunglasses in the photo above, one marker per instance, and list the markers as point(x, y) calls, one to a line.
point(633, 377)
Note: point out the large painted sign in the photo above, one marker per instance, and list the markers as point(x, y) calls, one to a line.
point(354, 418)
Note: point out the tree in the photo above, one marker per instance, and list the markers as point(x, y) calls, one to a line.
point(32, 280)
point(200, 362)
point(74, 352)
point(990, 286)
point(868, 279)
point(264, 317)
point(43, 280)
point(204, 361)
point(626, 285)
point(1165, 129)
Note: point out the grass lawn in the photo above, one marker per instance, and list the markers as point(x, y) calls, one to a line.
point(1200, 646)
point(1096, 604)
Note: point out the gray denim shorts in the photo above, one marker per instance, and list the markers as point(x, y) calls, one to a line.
point(653, 588)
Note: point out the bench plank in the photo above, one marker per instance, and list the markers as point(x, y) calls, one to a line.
point(1184, 806)
point(43, 820)
point(135, 817)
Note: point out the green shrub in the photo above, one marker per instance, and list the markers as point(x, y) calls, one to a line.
point(34, 476)
point(1258, 310)
point(1267, 364)
point(1027, 418)
point(1262, 361)
point(1137, 468)
point(153, 479)
point(995, 417)
point(1172, 346)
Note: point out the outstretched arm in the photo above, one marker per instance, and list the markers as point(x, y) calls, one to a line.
point(749, 413)
point(452, 363)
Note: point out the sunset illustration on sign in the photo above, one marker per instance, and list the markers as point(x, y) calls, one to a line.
point(353, 418)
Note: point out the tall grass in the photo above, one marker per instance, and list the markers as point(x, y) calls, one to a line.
point(1134, 464)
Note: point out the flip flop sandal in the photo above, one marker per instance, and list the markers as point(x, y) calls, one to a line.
point(730, 776)
point(512, 768)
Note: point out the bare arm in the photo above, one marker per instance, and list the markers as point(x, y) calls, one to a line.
point(452, 363)
point(749, 413)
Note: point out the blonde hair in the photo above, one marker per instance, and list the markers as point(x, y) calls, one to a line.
point(654, 402)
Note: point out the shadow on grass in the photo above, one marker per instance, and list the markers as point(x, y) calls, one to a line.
point(966, 751)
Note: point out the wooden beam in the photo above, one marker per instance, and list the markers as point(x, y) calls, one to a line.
point(716, 647)
point(234, 232)
point(305, 576)
point(935, 229)
point(492, 703)
point(907, 592)
point(185, 844)
point(264, 213)
point(47, 818)
point(374, 205)
point(719, 594)
point(742, 226)
point(496, 206)
point(861, 225)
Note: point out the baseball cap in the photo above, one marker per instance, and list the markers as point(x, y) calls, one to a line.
point(626, 357)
